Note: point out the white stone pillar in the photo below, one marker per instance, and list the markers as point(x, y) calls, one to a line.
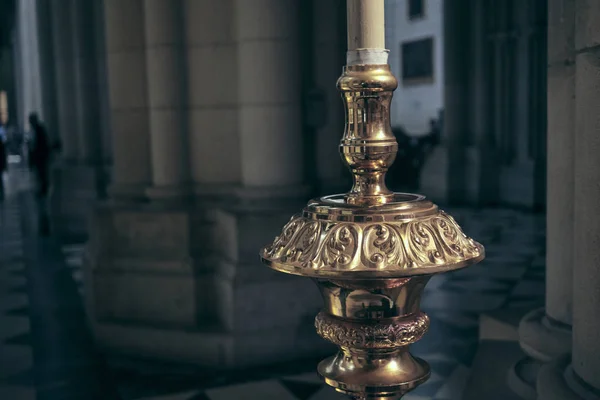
point(546, 333)
point(269, 94)
point(127, 81)
point(62, 35)
point(166, 82)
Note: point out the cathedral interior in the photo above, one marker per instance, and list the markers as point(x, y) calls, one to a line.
point(157, 164)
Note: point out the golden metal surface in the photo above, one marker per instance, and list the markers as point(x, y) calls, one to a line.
point(371, 252)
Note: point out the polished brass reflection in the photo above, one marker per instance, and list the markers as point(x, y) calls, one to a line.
point(371, 252)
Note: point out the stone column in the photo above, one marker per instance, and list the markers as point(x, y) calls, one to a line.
point(48, 73)
point(104, 107)
point(456, 94)
point(166, 82)
point(545, 333)
point(62, 35)
point(212, 113)
point(127, 81)
point(30, 86)
point(269, 95)
point(482, 173)
point(86, 82)
point(443, 179)
point(581, 378)
point(327, 111)
point(92, 177)
point(586, 271)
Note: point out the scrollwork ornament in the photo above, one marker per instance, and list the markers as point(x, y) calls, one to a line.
point(454, 238)
point(305, 243)
point(282, 241)
point(340, 246)
point(382, 245)
point(422, 243)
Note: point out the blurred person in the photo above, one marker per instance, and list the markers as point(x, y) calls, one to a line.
point(39, 154)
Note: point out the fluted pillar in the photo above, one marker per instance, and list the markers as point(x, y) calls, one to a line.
point(269, 94)
point(581, 378)
point(326, 112)
point(62, 35)
point(212, 113)
point(91, 174)
point(586, 271)
point(546, 333)
point(166, 82)
point(443, 179)
point(127, 81)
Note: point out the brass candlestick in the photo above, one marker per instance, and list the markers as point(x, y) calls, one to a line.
point(371, 252)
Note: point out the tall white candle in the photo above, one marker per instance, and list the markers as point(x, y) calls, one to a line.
point(366, 24)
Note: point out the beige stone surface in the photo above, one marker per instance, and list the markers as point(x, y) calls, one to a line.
point(124, 27)
point(267, 19)
point(214, 145)
point(586, 278)
point(587, 30)
point(560, 186)
point(561, 31)
point(145, 297)
point(131, 146)
point(127, 80)
point(162, 21)
point(164, 77)
point(208, 22)
point(275, 133)
point(213, 77)
point(168, 149)
point(269, 72)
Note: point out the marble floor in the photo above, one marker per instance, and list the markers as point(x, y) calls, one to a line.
point(46, 350)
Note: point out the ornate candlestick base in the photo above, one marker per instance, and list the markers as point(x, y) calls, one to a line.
point(371, 252)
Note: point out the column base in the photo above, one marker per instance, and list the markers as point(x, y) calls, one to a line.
point(185, 284)
point(543, 339)
point(557, 381)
